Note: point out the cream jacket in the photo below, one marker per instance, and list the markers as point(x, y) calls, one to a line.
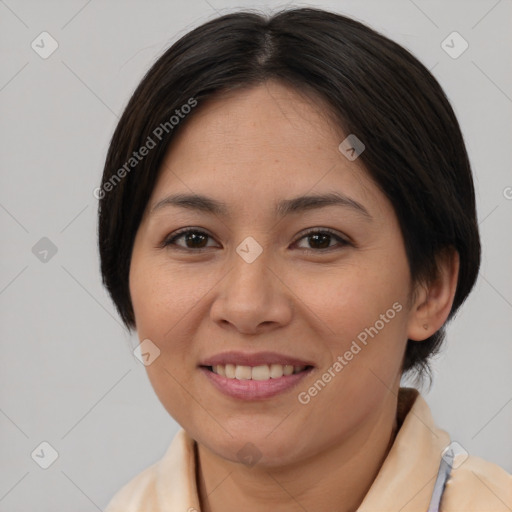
point(404, 483)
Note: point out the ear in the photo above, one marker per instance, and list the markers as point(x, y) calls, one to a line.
point(433, 301)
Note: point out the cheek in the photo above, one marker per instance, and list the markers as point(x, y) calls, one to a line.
point(161, 297)
point(350, 299)
point(364, 309)
point(161, 302)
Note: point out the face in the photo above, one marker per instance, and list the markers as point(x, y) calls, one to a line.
point(266, 282)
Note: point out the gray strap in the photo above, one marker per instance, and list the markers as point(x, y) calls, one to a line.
point(442, 477)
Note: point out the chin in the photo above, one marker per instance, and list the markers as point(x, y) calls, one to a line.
point(253, 448)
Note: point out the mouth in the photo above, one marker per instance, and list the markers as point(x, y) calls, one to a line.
point(253, 377)
point(262, 372)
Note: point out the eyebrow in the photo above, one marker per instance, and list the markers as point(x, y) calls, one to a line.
point(283, 208)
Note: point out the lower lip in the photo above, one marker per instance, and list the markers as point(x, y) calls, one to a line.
point(254, 389)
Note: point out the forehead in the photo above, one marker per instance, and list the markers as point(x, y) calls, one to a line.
point(261, 144)
point(270, 114)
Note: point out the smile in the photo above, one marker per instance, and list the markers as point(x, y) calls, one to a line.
point(252, 383)
point(261, 372)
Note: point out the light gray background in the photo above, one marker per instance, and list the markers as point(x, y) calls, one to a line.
point(68, 376)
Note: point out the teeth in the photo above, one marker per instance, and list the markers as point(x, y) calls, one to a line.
point(287, 370)
point(276, 371)
point(262, 372)
point(243, 372)
point(229, 370)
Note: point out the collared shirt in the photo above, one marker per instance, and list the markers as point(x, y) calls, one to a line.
point(405, 482)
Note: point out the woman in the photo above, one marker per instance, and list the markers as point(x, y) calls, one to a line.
point(287, 218)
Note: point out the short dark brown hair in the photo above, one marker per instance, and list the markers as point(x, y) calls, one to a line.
point(375, 88)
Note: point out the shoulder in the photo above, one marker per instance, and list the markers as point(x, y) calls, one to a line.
point(477, 485)
point(137, 494)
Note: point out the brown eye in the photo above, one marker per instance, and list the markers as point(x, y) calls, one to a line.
point(319, 240)
point(193, 239)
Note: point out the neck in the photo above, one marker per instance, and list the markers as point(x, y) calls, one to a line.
point(336, 479)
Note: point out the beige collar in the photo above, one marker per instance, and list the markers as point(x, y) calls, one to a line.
point(406, 479)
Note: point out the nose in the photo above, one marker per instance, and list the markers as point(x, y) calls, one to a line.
point(252, 296)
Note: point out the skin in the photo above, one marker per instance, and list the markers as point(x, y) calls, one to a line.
point(250, 149)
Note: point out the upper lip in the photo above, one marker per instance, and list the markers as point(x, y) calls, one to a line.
point(256, 359)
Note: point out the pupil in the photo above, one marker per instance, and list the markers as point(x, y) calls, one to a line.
point(194, 237)
point(325, 239)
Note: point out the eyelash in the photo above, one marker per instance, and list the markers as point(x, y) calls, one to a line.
point(170, 241)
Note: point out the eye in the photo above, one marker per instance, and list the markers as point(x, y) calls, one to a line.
point(194, 239)
point(319, 239)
